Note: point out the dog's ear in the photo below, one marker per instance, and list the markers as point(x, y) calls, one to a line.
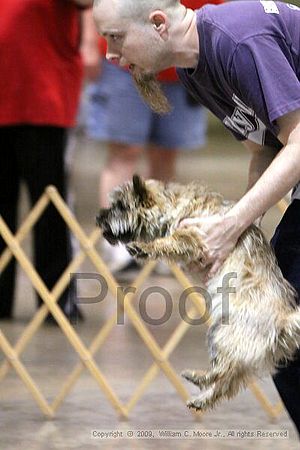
point(139, 187)
point(141, 191)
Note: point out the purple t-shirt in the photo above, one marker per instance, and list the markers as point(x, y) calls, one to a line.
point(248, 72)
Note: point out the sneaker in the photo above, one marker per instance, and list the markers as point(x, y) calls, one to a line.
point(162, 269)
point(117, 257)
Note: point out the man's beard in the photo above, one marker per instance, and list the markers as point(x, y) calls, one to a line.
point(150, 90)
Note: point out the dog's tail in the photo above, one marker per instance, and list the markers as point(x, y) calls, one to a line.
point(289, 337)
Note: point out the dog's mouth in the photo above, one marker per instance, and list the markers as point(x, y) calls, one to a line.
point(111, 233)
point(110, 237)
point(114, 239)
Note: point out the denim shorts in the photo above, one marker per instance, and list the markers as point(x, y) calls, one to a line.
point(286, 244)
point(115, 112)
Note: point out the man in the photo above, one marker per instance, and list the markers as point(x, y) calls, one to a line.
point(242, 61)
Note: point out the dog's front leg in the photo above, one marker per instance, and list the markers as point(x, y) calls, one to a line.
point(184, 245)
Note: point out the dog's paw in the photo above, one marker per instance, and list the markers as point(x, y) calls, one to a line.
point(205, 400)
point(196, 404)
point(201, 405)
point(189, 375)
point(136, 251)
point(198, 377)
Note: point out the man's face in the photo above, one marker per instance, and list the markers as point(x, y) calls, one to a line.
point(134, 45)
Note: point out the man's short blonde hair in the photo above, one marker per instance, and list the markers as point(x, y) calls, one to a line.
point(140, 9)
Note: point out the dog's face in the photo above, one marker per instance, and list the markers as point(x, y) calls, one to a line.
point(136, 212)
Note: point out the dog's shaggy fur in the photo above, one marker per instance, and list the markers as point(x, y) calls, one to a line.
point(263, 321)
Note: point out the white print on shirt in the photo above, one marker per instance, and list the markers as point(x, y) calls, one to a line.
point(296, 8)
point(244, 121)
point(296, 192)
point(269, 7)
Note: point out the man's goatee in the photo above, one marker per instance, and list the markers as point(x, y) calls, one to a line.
point(151, 92)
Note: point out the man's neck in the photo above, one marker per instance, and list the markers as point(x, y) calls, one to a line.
point(186, 41)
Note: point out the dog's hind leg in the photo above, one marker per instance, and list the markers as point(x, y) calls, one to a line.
point(203, 399)
point(201, 379)
point(227, 386)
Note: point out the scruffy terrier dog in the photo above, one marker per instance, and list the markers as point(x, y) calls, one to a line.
point(261, 327)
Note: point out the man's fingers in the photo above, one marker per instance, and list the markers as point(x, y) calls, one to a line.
point(213, 270)
point(188, 222)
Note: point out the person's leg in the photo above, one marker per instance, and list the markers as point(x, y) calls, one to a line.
point(162, 163)
point(286, 244)
point(120, 166)
point(117, 116)
point(43, 164)
point(9, 192)
point(183, 129)
point(287, 382)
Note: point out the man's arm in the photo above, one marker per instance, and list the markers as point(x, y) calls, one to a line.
point(220, 233)
point(261, 158)
point(277, 180)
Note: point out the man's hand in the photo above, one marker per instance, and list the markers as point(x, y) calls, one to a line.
point(219, 234)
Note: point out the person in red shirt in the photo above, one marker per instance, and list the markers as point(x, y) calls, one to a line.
point(116, 114)
point(40, 81)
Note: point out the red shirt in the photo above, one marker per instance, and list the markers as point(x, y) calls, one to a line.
point(169, 75)
point(41, 69)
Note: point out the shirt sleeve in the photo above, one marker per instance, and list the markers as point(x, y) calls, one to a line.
point(263, 72)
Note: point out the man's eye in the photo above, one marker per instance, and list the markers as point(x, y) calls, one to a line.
point(114, 37)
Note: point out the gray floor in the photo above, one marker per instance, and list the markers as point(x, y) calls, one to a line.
point(123, 358)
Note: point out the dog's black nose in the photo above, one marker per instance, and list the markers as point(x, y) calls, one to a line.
point(102, 217)
point(113, 240)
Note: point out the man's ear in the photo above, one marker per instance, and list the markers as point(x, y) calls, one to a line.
point(160, 23)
